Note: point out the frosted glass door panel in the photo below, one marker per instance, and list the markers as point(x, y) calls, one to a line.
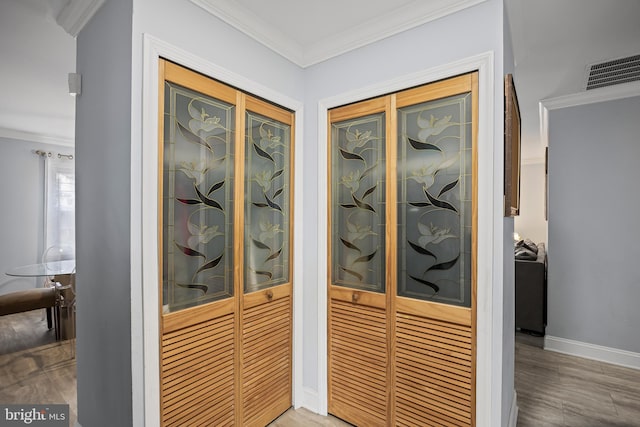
point(434, 200)
point(358, 203)
point(267, 213)
point(197, 177)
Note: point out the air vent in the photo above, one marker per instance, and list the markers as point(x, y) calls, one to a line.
point(617, 71)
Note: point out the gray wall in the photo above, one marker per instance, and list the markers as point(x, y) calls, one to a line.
point(594, 211)
point(103, 211)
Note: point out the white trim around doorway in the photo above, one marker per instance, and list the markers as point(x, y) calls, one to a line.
point(145, 328)
point(488, 349)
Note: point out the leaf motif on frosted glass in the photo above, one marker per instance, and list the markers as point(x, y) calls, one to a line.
point(262, 153)
point(207, 201)
point(420, 249)
point(433, 286)
point(268, 274)
point(353, 273)
point(423, 145)
point(191, 137)
point(188, 251)
point(272, 204)
point(209, 265)
point(369, 191)
point(361, 204)
point(274, 255)
point(444, 265)
point(350, 245)
point(202, 288)
point(189, 201)
point(260, 245)
point(448, 187)
point(215, 187)
point(366, 258)
point(440, 203)
point(348, 155)
point(420, 204)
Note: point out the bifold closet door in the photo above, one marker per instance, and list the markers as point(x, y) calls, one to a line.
point(267, 303)
point(434, 319)
point(402, 257)
point(358, 308)
point(225, 229)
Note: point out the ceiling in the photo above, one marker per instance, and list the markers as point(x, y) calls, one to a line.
point(553, 42)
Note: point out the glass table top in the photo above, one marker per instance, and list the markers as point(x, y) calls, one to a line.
point(52, 268)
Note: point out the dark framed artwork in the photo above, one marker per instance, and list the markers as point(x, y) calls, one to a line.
point(511, 149)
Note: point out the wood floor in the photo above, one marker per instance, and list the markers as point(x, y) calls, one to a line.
point(34, 368)
point(559, 390)
point(553, 389)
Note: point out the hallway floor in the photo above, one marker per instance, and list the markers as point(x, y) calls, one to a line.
point(556, 389)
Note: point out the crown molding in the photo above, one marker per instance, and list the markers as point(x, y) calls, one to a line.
point(401, 19)
point(76, 13)
point(35, 137)
point(593, 96)
point(249, 23)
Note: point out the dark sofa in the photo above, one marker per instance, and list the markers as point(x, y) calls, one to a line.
point(531, 293)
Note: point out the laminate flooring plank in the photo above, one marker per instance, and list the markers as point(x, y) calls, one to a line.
point(555, 389)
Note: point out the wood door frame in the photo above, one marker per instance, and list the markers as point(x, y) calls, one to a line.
point(145, 319)
point(489, 297)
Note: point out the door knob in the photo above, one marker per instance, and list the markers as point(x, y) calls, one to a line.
point(269, 294)
point(355, 297)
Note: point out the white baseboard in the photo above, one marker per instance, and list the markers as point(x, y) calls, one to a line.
point(310, 400)
point(592, 351)
point(513, 414)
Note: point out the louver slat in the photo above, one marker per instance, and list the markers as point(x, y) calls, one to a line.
point(433, 385)
point(358, 363)
point(266, 340)
point(197, 374)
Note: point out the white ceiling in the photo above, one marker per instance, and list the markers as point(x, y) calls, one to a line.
point(553, 42)
point(37, 55)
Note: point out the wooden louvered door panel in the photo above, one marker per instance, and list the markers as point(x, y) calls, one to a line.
point(358, 326)
point(402, 250)
point(198, 374)
point(359, 361)
point(433, 372)
point(226, 266)
point(266, 358)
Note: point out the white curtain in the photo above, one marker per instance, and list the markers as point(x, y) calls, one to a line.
point(60, 201)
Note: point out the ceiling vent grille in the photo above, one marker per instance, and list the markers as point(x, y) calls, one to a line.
point(617, 71)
